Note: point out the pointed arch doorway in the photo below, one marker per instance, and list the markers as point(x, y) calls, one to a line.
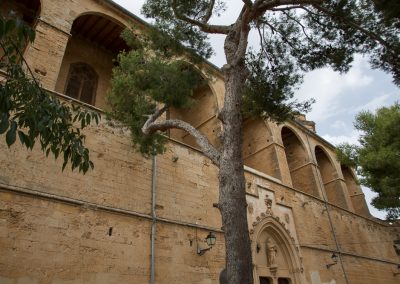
point(275, 256)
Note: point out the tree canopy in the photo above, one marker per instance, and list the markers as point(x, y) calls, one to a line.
point(377, 158)
point(32, 115)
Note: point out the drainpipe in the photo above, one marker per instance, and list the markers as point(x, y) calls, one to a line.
point(330, 221)
point(153, 217)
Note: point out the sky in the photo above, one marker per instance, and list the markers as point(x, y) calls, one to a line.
point(339, 97)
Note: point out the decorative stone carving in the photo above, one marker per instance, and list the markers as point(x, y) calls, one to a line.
point(287, 218)
point(250, 208)
point(268, 203)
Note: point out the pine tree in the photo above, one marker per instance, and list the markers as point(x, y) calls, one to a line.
point(295, 36)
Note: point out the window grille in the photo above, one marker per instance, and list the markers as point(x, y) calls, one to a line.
point(82, 83)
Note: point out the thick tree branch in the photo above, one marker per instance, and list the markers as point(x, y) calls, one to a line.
point(152, 118)
point(248, 3)
point(151, 126)
point(243, 29)
point(262, 5)
point(209, 12)
point(213, 29)
point(286, 8)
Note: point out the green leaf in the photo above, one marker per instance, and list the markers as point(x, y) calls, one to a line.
point(56, 152)
point(11, 134)
point(21, 136)
point(10, 25)
point(97, 117)
point(1, 28)
point(87, 118)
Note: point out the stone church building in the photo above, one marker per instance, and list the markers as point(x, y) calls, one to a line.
point(138, 220)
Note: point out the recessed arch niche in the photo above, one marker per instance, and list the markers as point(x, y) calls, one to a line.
point(27, 10)
point(201, 115)
point(298, 161)
point(258, 149)
point(96, 42)
point(274, 253)
point(357, 197)
point(331, 183)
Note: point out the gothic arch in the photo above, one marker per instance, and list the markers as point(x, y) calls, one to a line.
point(331, 182)
point(299, 163)
point(100, 14)
point(274, 252)
point(95, 41)
point(258, 148)
point(202, 115)
point(294, 132)
point(354, 191)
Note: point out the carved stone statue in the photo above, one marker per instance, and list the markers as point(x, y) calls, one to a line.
point(272, 251)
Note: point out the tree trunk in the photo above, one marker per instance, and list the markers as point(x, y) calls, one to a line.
point(232, 197)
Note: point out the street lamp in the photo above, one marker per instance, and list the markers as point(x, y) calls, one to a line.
point(334, 258)
point(210, 239)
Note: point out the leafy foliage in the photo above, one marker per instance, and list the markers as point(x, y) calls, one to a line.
point(30, 114)
point(144, 79)
point(390, 10)
point(186, 35)
point(312, 36)
point(268, 91)
point(378, 156)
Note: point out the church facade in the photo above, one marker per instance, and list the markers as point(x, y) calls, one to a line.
point(138, 220)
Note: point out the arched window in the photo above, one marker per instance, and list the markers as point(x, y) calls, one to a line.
point(81, 82)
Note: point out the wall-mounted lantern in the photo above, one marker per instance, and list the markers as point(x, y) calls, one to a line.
point(334, 258)
point(395, 273)
point(210, 239)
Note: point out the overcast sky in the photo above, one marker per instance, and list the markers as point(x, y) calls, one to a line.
point(338, 97)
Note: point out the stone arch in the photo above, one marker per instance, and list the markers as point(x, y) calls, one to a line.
point(330, 179)
point(202, 115)
point(354, 191)
point(95, 41)
point(299, 162)
point(274, 252)
point(258, 149)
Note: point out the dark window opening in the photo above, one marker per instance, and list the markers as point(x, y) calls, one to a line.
point(82, 83)
point(265, 280)
point(283, 281)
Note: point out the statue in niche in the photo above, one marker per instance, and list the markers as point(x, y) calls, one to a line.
point(272, 251)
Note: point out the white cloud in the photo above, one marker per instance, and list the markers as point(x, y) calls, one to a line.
point(352, 138)
point(380, 101)
point(329, 88)
point(339, 124)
